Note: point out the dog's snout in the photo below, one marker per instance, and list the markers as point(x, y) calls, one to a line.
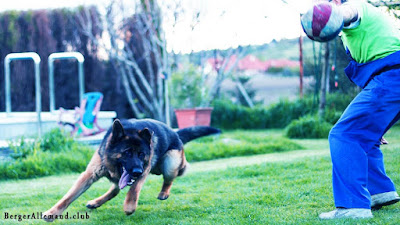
point(136, 172)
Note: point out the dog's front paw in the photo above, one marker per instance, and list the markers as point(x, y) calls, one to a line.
point(163, 195)
point(49, 215)
point(93, 204)
point(129, 209)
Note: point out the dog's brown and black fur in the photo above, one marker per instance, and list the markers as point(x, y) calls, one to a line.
point(131, 150)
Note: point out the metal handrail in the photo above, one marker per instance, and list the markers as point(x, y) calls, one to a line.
point(65, 55)
point(24, 56)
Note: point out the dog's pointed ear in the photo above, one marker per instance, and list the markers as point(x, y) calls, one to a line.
point(146, 135)
point(117, 131)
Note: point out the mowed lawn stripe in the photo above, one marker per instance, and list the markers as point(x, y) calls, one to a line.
point(221, 164)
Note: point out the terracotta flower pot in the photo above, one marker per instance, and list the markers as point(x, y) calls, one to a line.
point(193, 117)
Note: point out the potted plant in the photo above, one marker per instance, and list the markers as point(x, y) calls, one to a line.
point(189, 98)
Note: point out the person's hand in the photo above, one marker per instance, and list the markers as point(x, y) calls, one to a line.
point(350, 14)
point(383, 141)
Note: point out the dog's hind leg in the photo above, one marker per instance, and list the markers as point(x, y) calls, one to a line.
point(111, 193)
point(93, 172)
point(173, 165)
point(165, 190)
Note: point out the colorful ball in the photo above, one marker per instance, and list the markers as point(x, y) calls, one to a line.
point(323, 22)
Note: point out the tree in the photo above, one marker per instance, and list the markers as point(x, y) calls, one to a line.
point(392, 5)
point(137, 51)
point(46, 32)
point(224, 65)
point(324, 80)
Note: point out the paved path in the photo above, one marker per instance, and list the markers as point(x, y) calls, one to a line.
point(221, 164)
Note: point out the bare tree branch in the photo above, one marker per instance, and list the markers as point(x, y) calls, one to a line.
point(224, 70)
point(139, 60)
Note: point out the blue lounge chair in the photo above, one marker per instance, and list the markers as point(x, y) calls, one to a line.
point(84, 122)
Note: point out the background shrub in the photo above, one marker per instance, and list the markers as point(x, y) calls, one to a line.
point(188, 89)
point(227, 115)
point(53, 154)
point(308, 127)
point(283, 112)
point(338, 101)
point(332, 116)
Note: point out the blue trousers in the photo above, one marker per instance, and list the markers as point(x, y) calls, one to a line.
point(357, 161)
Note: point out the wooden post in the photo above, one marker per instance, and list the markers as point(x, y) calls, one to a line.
point(301, 65)
point(324, 81)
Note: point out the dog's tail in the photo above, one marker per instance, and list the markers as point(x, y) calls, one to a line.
point(190, 133)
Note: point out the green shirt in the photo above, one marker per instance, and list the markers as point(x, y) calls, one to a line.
point(375, 37)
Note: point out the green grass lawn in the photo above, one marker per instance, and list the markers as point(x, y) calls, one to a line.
point(238, 143)
point(275, 192)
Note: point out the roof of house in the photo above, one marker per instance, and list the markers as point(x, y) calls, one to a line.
point(250, 62)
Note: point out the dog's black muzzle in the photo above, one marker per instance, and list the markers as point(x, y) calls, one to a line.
point(136, 172)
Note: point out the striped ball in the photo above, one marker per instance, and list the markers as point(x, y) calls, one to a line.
point(323, 22)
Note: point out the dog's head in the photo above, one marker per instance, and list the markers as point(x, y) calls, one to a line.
point(130, 150)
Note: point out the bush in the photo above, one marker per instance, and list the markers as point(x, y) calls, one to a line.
point(23, 148)
point(53, 141)
point(308, 127)
point(335, 105)
point(283, 112)
point(56, 141)
point(338, 101)
point(53, 154)
point(227, 115)
point(188, 89)
point(332, 116)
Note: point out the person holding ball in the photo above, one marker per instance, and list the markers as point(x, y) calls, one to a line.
point(359, 179)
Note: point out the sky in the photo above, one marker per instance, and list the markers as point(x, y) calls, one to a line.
point(220, 24)
point(229, 23)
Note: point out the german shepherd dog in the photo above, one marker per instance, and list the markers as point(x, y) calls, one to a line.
point(130, 150)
